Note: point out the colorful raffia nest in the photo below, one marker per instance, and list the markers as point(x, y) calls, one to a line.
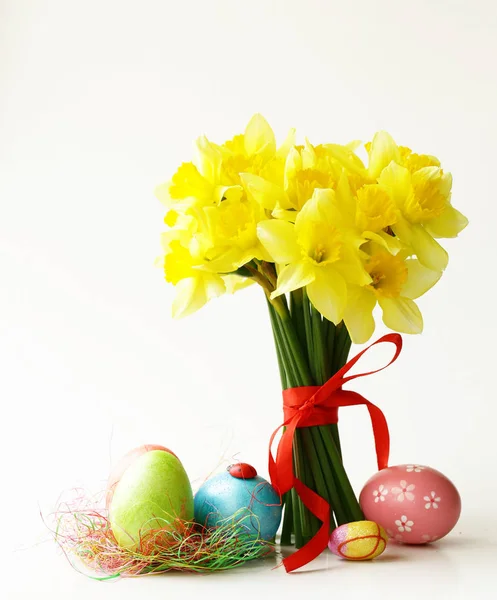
point(82, 530)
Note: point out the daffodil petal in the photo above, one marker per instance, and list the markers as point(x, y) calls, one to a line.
point(387, 241)
point(161, 192)
point(284, 215)
point(383, 151)
point(346, 156)
point(235, 283)
point(419, 279)
point(358, 315)
point(289, 143)
point(352, 269)
point(344, 198)
point(233, 258)
point(293, 164)
point(207, 159)
point(267, 194)
point(401, 314)
point(189, 183)
point(437, 176)
point(227, 192)
point(353, 145)
point(193, 292)
point(328, 294)
point(259, 137)
point(292, 277)
point(398, 181)
point(429, 252)
point(280, 240)
point(308, 155)
point(224, 262)
point(320, 208)
point(448, 225)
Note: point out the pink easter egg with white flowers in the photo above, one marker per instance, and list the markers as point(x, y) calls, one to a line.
point(413, 503)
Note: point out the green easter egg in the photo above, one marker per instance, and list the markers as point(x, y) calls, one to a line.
point(152, 494)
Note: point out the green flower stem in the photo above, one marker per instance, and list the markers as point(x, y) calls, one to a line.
point(288, 518)
point(310, 482)
point(278, 343)
point(303, 531)
point(297, 520)
point(310, 349)
point(304, 376)
point(301, 376)
point(322, 332)
point(287, 358)
point(334, 492)
point(330, 344)
point(286, 531)
point(297, 314)
point(342, 347)
point(347, 493)
point(300, 468)
point(309, 337)
point(333, 427)
point(299, 370)
point(320, 350)
point(318, 470)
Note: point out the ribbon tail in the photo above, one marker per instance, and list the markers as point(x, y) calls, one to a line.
point(381, 434)
point(321, 509)
point(281, 469)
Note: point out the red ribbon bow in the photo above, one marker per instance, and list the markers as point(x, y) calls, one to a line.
point(309, 406)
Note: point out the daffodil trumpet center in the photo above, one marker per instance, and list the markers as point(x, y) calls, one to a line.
point(388, 274)
point(375, 209)
point(321, 243)
point(427, 200)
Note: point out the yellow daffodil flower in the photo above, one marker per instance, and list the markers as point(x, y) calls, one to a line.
point(198, 183)
point(314, 253)
point(353, 235)
point(396, 283)
point(420, 191)
point(194, 285)
point(214, 173)
point(307, 168)
point(255, 152)
point(370, 212)
point(232, 230)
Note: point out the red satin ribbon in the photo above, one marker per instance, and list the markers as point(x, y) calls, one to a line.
point(308, 406)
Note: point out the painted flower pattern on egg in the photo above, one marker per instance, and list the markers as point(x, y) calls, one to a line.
point(404, 491)
point(404, 524)
point(430, 538)
point(414, 468)
point(380, 493)
point(395, 536)
point(431, 501)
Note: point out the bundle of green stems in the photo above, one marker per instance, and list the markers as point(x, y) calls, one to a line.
point(310, 350)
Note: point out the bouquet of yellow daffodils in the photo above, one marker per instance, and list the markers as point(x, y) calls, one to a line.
point(327, 237)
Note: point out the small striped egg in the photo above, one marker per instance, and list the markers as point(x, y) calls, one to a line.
point(360, 540)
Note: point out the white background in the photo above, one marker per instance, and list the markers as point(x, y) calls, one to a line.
point(100, 101)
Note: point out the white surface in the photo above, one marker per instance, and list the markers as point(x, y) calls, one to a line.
point(100, 101)
point(461, 567)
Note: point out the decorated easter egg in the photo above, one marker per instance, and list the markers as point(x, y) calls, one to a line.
point(152, 493)
point(360, 540)
point(241, 495)
point(415, 504)
point(123, 464)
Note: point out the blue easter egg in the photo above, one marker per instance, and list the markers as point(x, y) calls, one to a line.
point(252, 503)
